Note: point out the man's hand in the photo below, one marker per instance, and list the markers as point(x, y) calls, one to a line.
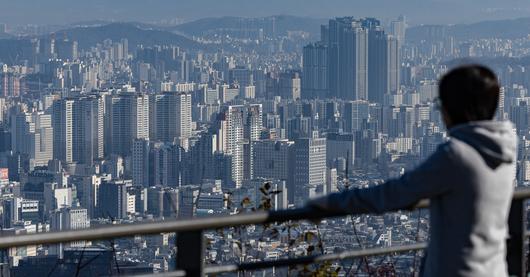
point(319, 204)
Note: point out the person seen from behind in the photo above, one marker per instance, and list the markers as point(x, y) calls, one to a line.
point(469, 180)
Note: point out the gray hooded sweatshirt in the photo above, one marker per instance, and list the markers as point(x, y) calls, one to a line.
point(469, 181)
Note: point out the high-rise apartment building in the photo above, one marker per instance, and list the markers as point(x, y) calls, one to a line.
point(238, 126)
point(172, 117)
point(231, 140)
point(355, 60)
point(32, 134)
point(398, 29)
point(62, 120)
point(315, 71)
point(10, 83)
point(383, 67)
point(79, 129)
point(157, 163)
point(347, 58)
point(87, 135)
point(353, 63)
point(140, 162)
point(126, 119)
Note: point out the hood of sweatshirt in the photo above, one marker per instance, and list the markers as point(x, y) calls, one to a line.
point(496, 141)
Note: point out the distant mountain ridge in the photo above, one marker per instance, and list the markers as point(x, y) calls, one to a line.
point(283, 23)
point(506, 29)
point(88, 36)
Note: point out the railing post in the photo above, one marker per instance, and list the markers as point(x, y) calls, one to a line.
point(190, 251)
point(515, 246)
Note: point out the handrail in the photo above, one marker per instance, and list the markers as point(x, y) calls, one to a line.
point(187, 225)
point(343, 255)
point(349, 254)
point(190, 238)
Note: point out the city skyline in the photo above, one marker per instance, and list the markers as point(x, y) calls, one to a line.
point(62, 12)
point(133, 123)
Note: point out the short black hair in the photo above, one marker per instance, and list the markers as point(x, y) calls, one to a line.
point(469, 93)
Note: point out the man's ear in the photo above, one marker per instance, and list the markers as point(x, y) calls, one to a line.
point(446, 118)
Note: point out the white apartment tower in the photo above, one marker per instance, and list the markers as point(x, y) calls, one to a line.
point(62, 121)
point(231, 133)
point(32, 134)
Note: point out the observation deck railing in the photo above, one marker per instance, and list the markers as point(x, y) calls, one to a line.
point(191, 245)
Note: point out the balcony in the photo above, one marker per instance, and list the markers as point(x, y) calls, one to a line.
point(191, 244)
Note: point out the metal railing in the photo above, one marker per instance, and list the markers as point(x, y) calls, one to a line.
point(191, 246)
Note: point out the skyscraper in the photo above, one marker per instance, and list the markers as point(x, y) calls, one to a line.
point(253, 121)
point(309, 167)
point(231, 135)
point(126, 118)
point(347, 58)
point(79, 129)
point(140, 162)
point(173, 117)
point(398, 29)
point(253, 127)
point(383, 67)
point(362, 60)
point(32, 135)
point(9, 83)
point(87, 132)
point(315, 72)
point(353, 63)
point(62, 120)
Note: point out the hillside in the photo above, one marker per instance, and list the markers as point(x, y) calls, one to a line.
point(89, 36)
point(283, 23)
point(508, 29)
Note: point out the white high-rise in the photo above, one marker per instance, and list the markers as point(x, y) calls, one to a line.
point(79, 129)
point(2, 109)
point(62, 121)
point(231, 133)
point(309, 167)
point(253, 122)
point(40, 139)
point(32, 134)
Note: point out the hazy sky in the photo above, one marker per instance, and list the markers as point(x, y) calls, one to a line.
point(418, 11)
